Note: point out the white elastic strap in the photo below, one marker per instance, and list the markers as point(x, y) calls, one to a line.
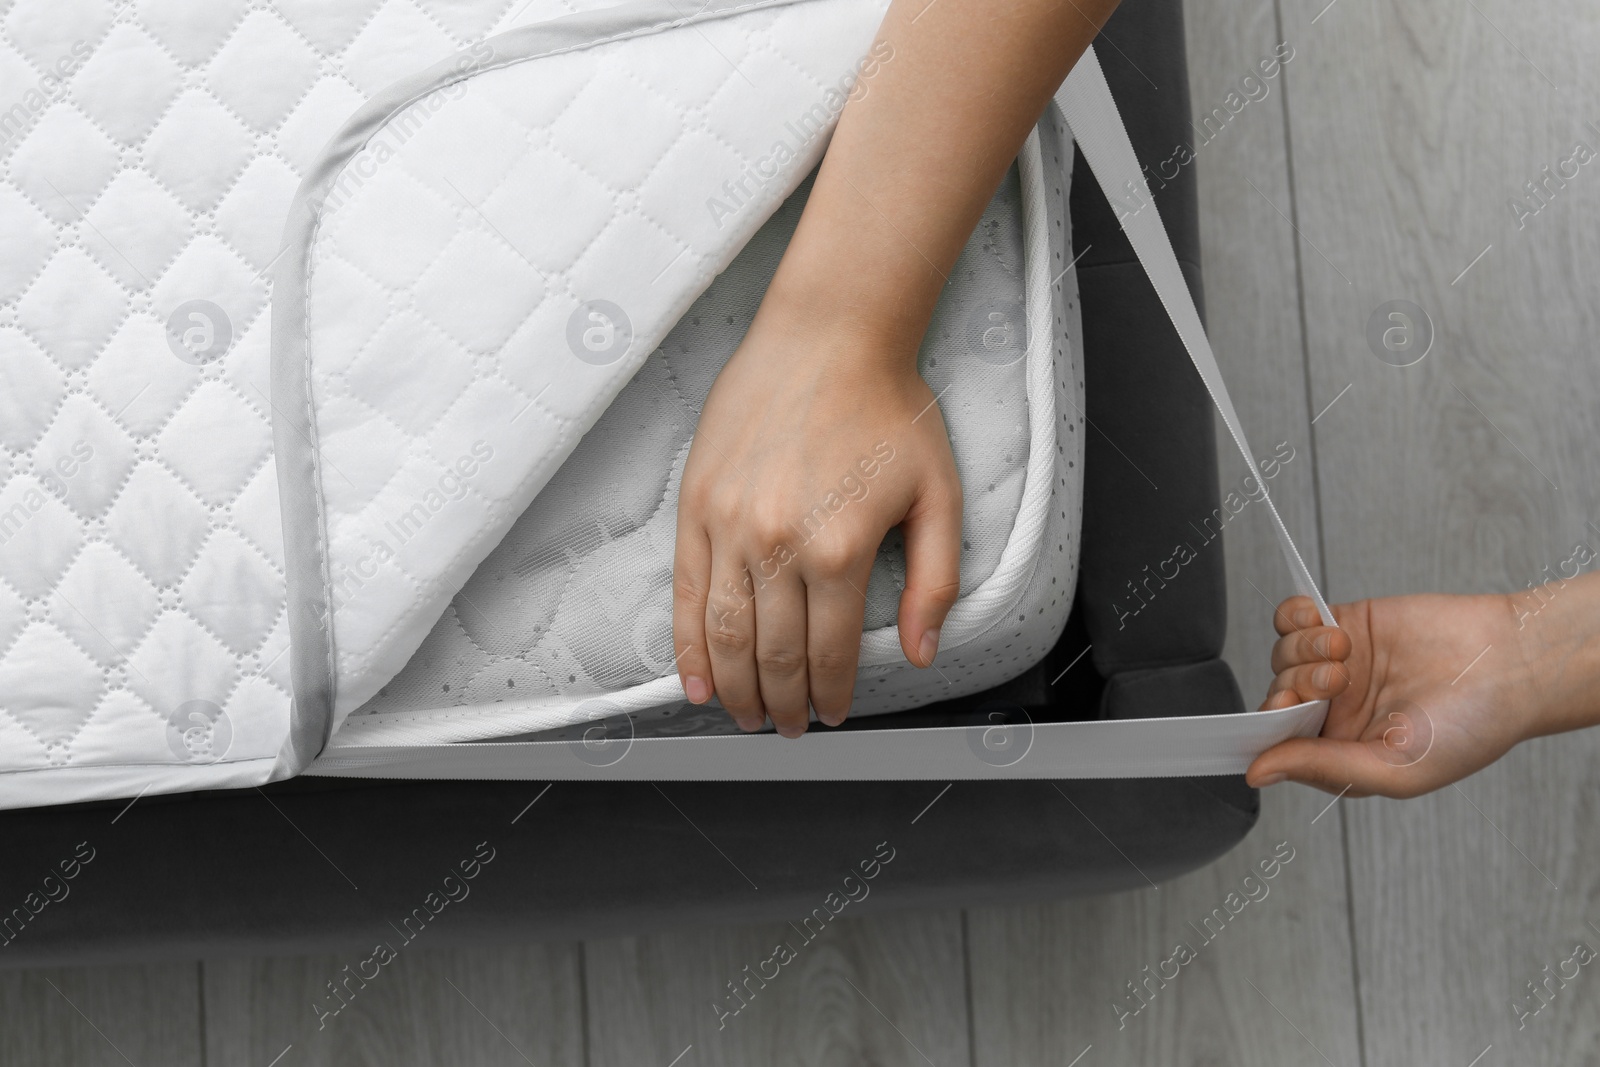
point(1100, 748)
point(1124, 748)
point(1085, 100)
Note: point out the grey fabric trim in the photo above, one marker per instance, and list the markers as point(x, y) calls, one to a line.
point(311, 647)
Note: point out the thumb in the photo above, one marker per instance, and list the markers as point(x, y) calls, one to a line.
point(1355, 768)
point(932, 532)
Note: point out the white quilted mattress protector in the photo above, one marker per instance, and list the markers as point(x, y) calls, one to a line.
point(352, 351)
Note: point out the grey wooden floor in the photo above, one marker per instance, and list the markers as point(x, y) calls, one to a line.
point(1379, 166)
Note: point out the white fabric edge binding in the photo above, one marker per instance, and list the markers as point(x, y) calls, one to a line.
point(1130, 748)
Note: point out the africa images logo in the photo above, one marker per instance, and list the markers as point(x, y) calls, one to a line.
point(607, 738)
point(997, 331)
point(1399, 333)
point(199, 731)
point(199, 332)
point(599, 332)
point(1006, 739)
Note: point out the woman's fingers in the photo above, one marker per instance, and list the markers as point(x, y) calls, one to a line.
point(1350, 768)
point(1295, 613)
point(834, 613)
point(1308, 659)
point(1280, 698)
point(1312, 681)
point(780, 646)
point(1320, 644)
point(691, 583)
point(730, 625)
point(932, 531)
point(1332, 766)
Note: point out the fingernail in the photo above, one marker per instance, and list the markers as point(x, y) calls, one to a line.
point(1322, 644)
point(830, 720)
point(929, 647)
point(696, 689)
point(749, 724)
point(791, 731)
point(1305, 617)
point(1271, 779)
point(1322, 676)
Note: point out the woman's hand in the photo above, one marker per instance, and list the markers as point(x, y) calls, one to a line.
point(814, 442)
point(1425, 690)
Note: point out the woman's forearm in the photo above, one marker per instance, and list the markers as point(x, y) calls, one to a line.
point(917, 155)
point(1558, 625)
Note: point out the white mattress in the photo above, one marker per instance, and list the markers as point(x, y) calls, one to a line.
point(171, 516)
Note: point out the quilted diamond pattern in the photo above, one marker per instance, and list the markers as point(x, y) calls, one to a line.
point(319, 114)
point(137, 379)
point(72, 308)
point(394, 256)
point(214, 442)
point(86, 454)
point(127, 84)
point(39, 535)
point(64, 162)
point(51, 684)
point(399, 39)
point(211, 593)
point(191, 30)
point(549, 242)
point(158, 522)
point(614, 108)
point(30, 237)
point(104, 604)
point(148, 151)
point(13, 615)
point(136, 214)
point(328, 26)
point(45, 31)
point(240, 222)
point(262, 70)
point(197, 147)
point(31, 386)
point(478, 290)
point(180, 660)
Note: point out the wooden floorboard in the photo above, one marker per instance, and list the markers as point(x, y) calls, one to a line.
point(1221, 966)
point(101, 1016)
point(1414, 126)
point(888, 991)
point(487, 1008)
